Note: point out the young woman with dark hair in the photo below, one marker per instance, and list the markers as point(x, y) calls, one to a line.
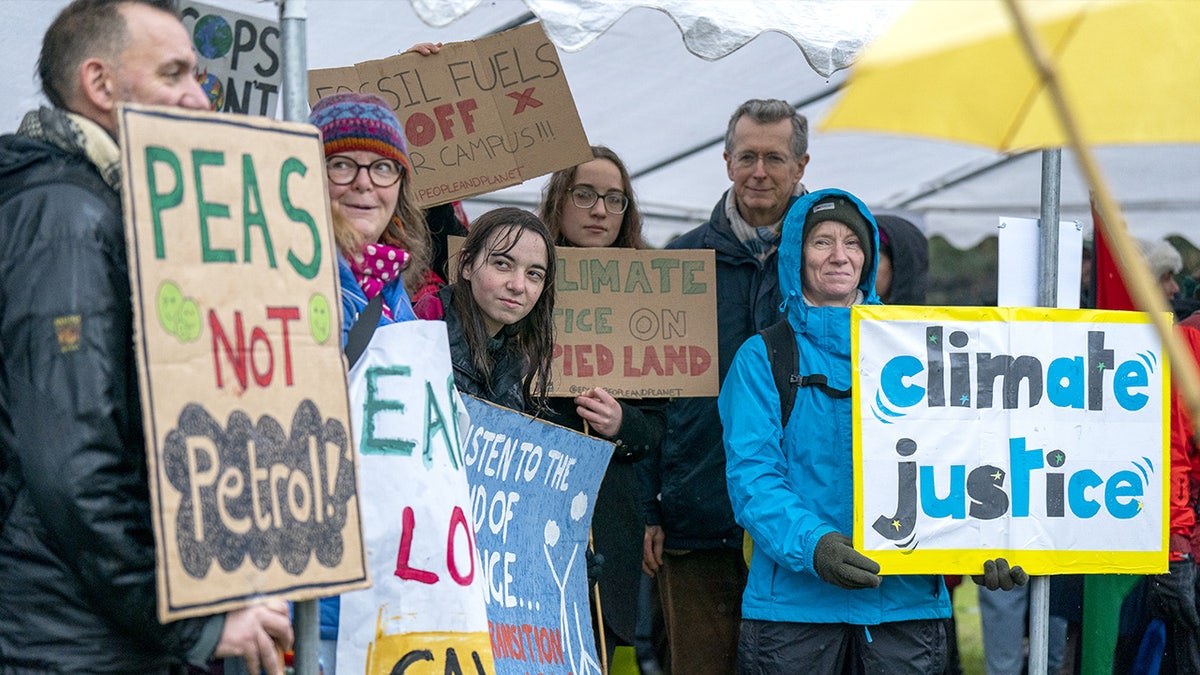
point(500, 311)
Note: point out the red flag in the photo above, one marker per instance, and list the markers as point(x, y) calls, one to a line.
point(1110, 287)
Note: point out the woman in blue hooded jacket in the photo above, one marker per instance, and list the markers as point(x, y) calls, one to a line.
point(811, 599)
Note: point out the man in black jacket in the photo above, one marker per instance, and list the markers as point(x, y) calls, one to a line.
point(692, 542)
point(76, 545)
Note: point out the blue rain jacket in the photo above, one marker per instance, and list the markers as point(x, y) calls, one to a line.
point(790, 487)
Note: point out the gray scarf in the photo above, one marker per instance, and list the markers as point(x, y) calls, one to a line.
point(77, 135)
point(760, 241)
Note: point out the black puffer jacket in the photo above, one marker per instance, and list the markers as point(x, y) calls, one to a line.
point(688, 475)
point(77, 584)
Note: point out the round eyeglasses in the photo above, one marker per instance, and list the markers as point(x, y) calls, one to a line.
point(382, 172)
point(585, 198)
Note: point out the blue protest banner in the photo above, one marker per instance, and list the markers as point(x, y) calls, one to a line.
point(533, 486)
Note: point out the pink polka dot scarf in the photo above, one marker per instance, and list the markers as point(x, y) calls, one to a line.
point(376, 266)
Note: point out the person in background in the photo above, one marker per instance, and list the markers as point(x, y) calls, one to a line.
point(812, 599)
point(1087, 274)
point(592, 206)
point(1169, 599)
point(1164, 262)
point(903, 276)
point(444, 221)
point(500, 311)
point(380, 231)
point(1004, 619)
point(692, 542)
point(77, 558)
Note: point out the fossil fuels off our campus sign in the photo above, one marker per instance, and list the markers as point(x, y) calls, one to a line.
point(478, 116)
point(233, 271)
point(1038, 435)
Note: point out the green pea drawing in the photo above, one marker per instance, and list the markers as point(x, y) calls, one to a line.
point(318, 318)
point(189, 321)
point(169, 300)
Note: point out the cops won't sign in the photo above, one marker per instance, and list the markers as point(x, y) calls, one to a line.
point(1039, 435)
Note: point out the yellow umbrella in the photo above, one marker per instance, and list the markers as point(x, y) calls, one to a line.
point(1021, 75)
point(1130, 71)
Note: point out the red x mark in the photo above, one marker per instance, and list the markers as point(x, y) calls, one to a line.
point(524, 99)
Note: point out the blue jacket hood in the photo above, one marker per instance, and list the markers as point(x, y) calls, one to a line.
point(791, 255)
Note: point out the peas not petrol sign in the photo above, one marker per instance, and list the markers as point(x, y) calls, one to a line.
point(238, 346)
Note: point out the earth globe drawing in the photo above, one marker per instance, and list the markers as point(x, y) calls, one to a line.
point(212, 36)
point(211, 84)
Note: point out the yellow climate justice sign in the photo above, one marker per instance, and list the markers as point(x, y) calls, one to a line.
point(1039, 435)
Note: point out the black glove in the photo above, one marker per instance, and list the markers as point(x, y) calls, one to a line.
point(1173, 594)
point(595, 567)
point(997, 574)
point(839, 564)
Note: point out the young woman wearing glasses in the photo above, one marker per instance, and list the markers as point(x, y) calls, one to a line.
point(380, 231)
point(592, 206)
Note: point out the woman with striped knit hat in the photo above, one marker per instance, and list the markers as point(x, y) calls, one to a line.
point(379, 229)
point(380, 234)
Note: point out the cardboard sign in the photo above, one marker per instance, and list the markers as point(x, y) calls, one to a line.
point(427, 603)
point(638, 323)
point(478, 116)
point(237, 58)
point(533, 488)
point(1038, 435)
point(236, 307)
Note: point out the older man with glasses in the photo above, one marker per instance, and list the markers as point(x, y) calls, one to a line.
point(692, 542)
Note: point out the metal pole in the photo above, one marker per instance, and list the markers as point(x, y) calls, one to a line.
point(306, 614)
point(1039, 587)
point(1048, 249)
point(306, 622)
point(292, 15)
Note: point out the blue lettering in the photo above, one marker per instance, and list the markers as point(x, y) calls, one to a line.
point(1080, 504)
point(1022, 462)
point(981, 494)
point(1065, 384)
point(891, 380)
point(1130, 374)
point(1076, 382)
point(954, 504)
point(1120, 485)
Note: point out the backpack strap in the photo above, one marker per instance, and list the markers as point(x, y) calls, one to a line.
point(364, 327)
point(822, 383)
point(785, 368)
point(785, 363)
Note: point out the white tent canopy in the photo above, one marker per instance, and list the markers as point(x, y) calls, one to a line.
point(642, 92)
